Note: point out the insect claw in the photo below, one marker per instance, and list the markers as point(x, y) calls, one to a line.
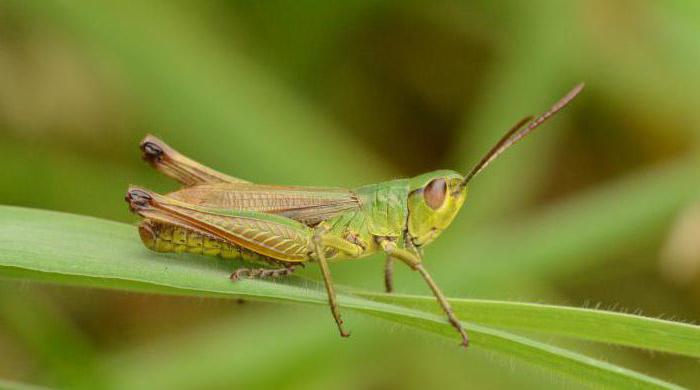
point(238, 274)
point(465, 338)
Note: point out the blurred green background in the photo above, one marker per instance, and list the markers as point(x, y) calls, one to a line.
point(600, 208)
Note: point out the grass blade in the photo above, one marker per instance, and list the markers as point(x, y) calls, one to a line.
point(72, 249)
point(586, 324)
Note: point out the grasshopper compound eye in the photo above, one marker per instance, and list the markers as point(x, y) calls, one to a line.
point(434, 193)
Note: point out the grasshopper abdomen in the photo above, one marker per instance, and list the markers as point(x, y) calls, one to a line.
point(169, 238)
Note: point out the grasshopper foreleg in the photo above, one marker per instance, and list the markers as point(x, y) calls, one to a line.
point(415, 263)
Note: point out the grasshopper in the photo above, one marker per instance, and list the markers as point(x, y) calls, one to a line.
point(284, 227)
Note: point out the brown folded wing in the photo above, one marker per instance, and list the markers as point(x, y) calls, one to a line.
point(308, 205)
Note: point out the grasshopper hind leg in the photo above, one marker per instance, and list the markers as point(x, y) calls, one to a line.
point(262, 273)
point(179, 167)
point(320, 250)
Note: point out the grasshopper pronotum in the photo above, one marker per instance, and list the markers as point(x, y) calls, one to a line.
point(219, 215)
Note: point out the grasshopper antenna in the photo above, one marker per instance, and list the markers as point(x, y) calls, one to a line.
point(524, 127)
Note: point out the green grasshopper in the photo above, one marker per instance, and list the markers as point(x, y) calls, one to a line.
point(284, 226)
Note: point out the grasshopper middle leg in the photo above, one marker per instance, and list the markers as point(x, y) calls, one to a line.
point(389, 274)
point(321, 242)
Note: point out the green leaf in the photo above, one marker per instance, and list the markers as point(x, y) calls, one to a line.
point(76, 250)
point(586, 324)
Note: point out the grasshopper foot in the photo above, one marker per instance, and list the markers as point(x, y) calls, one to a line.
point(260, 273)
point(389, 287)
point(389, 275)
point(457, 325)
point(465, 341)
point(339, 321)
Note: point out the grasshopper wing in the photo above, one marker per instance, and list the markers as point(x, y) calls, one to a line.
point(274, 236)
point(181, 168)
point(308, 205)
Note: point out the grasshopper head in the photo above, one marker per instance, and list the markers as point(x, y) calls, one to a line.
point(436, 197)
point(433, 202)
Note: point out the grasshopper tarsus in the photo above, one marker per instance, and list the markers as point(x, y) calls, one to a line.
point(260, 273)
point(343, 332)
point(217, 214)
point(389, 275)
point(465, 337)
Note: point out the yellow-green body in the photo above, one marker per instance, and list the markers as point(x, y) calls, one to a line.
point(394, 209)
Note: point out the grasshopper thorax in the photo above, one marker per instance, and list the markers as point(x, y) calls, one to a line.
point(433, 202)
